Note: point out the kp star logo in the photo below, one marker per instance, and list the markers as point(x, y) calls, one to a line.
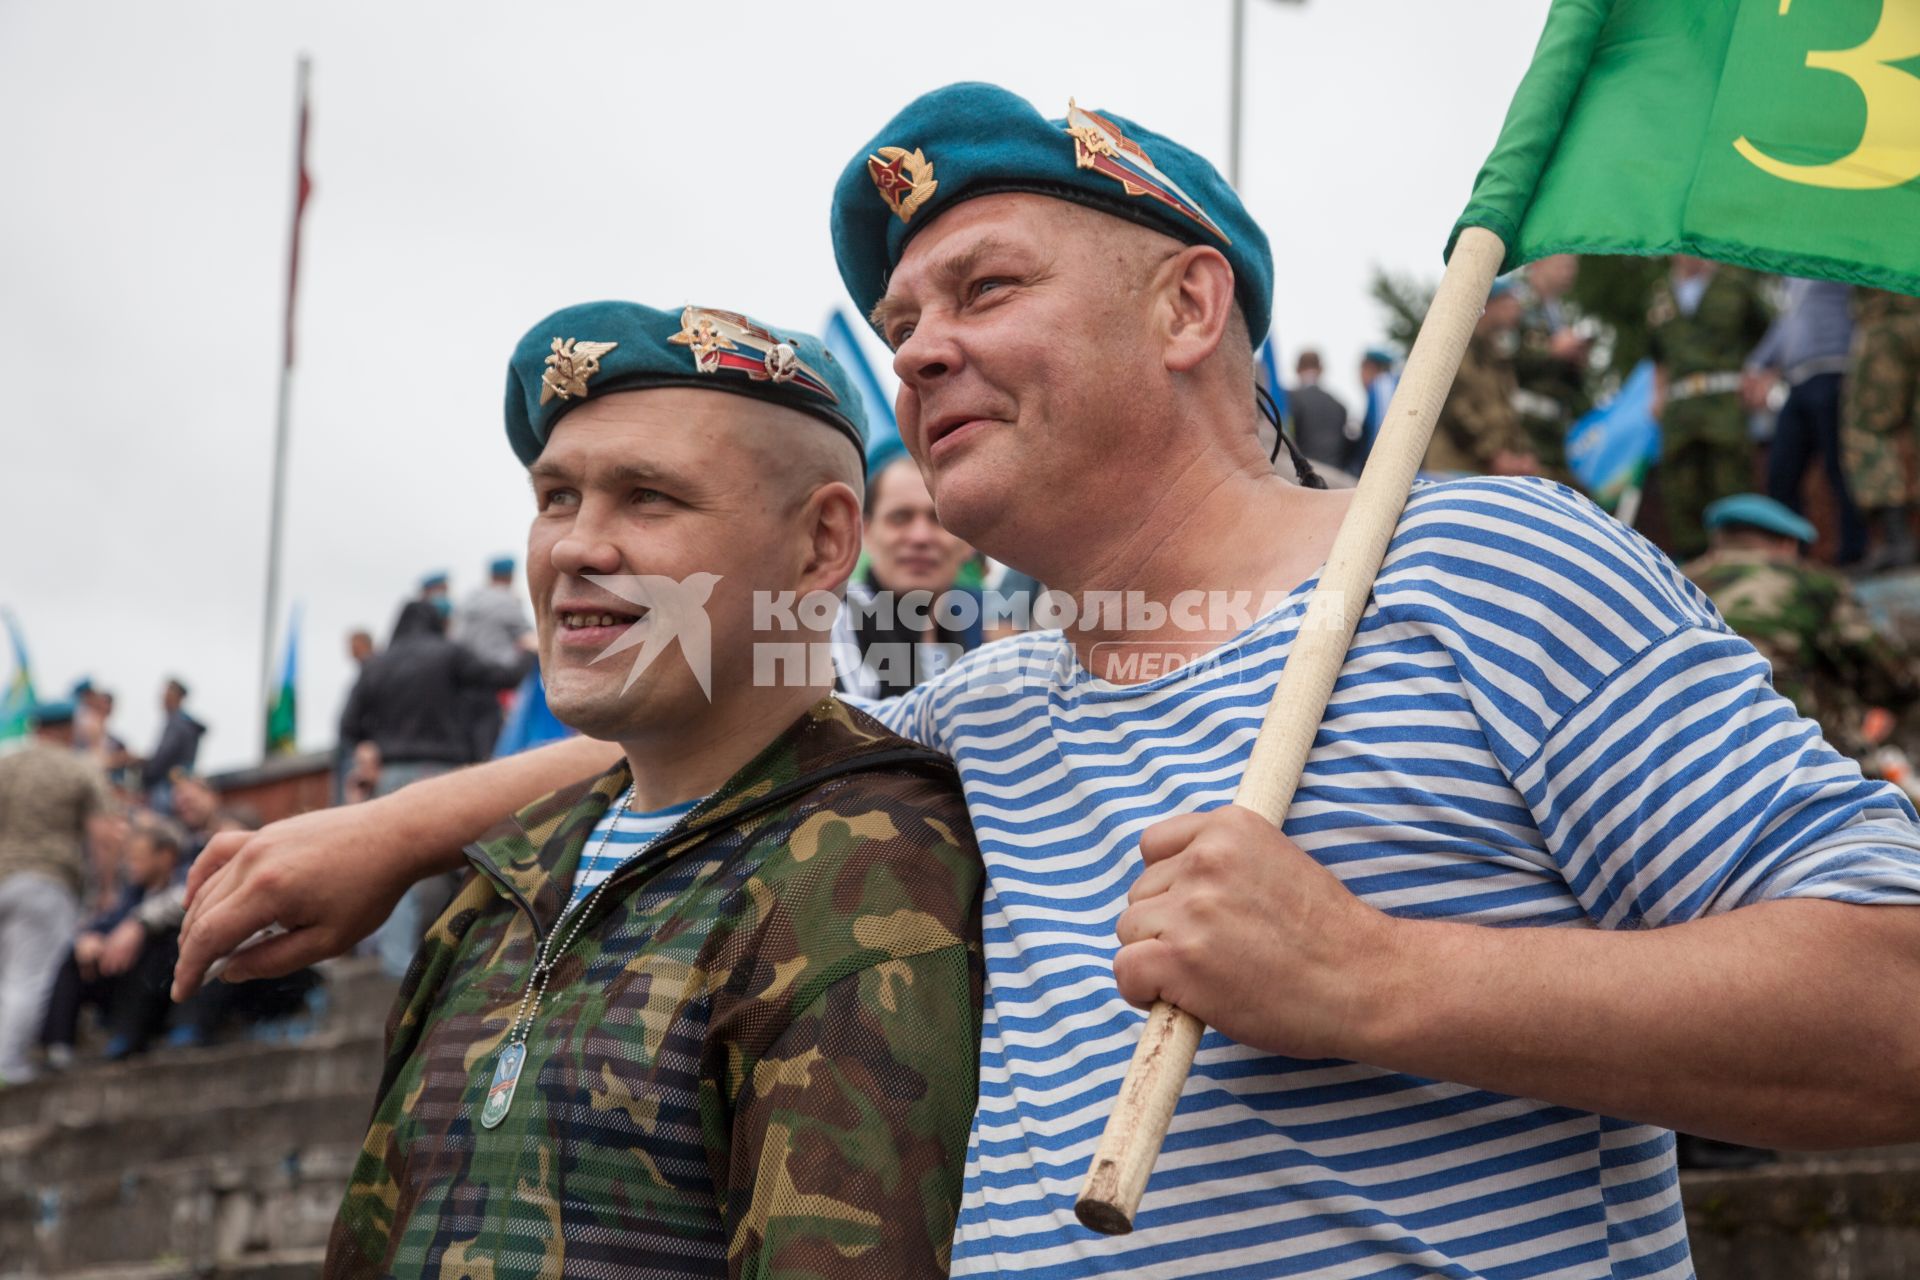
point(670, 610)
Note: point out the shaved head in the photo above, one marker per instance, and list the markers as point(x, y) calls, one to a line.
point(800, 453)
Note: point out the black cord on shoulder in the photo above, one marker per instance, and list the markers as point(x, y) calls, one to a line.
point(1309, 478)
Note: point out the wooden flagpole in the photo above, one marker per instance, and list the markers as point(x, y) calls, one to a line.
point(1138, 1125)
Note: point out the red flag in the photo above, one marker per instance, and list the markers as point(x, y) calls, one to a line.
point(302, 188)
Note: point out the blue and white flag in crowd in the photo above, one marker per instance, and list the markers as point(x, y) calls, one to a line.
point(1270, 377)
point(16, 700)
point(1610, 449)
point(530, 721)
point(883, 433)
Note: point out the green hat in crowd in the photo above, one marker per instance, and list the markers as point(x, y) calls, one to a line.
point(970, 140)
point(600, 347)
point(1757, 511)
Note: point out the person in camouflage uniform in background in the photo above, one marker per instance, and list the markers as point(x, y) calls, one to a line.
point(743, 1041)
point(1880, 414)
point(1478, 431)
point(1549, 362)
point(1703, 319)
point(1827, 656)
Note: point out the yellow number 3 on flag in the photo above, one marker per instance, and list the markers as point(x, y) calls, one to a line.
point(1888, 154)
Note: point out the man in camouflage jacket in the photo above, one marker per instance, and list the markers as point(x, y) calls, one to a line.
point(1549, 362)
point(1880, 417)
point(1827, 657)
point(1702, 320)
point(1478, 431)
point(756, 1059)
point(742, 1039)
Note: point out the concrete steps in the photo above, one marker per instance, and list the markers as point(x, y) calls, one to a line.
point(223, 1162)
point(228, 1163)
point(1832, 1216)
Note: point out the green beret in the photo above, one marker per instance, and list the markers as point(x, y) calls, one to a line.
point(1757, 511)
point(970, 140)
point(600, 347)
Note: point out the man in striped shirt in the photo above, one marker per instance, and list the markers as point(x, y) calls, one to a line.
point(1563, 872)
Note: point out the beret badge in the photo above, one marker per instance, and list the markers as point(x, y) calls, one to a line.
point(903, 178)
point(716, 340)
point(1099, 145)
point(569, 365)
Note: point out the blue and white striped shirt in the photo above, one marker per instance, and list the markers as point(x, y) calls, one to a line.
point(1540, 722)
point(626, 836)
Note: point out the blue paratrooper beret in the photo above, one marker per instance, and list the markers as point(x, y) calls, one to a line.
point(600, 347)
point(972, 139)
point(500, 566)
point(52, 714)
point(1757, 511)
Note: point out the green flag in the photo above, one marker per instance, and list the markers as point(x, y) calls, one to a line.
point(1778, 134)
point(283, 716)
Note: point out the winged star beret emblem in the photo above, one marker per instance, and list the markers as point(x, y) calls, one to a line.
point(1099, 145)
point(903, 178)
point(569, 365)
point(717, 338)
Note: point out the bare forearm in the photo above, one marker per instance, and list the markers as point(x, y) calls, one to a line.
point(1785, 1024)
point(440, 816)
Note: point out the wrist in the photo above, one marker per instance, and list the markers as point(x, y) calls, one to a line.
point(1397, 996)
point(406, 825)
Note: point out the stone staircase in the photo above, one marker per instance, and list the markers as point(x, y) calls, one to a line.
point(229, 1162)
point(1835, 1215)
point(223, 1162)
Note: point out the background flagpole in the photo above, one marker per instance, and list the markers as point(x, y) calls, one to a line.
point(271, 609)
point(1236, 89)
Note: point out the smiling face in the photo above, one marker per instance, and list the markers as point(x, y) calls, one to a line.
point(701, 489)
point(910, 549)
point(1027, 338)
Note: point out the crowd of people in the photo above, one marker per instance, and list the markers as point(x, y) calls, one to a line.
point(1759, 382)
point(750, 979)
point(95, 843)
point(1759, 386)
point(91, 873)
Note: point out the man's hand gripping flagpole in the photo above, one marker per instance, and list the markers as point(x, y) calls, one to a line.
point(1158, 1073)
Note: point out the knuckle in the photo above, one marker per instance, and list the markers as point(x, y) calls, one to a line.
point(1206, 858)
point(269, 880)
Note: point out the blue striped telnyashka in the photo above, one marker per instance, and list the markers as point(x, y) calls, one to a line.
point(1540, 723)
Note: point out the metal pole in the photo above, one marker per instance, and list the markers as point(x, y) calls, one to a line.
point(274, 513)
point(1236, 76)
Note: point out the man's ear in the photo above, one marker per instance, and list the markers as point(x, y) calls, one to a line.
point(1197, 286)
point(831, 519)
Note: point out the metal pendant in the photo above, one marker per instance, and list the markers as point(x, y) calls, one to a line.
point(506, 1076)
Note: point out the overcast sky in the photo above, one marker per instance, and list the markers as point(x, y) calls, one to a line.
point(477, 166)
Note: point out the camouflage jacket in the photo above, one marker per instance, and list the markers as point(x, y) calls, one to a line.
point(1550, 392)
point(1826, 655)
point(757, 1058)
point(1477, 422)
point(1729, 322)
point(1871, 306)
